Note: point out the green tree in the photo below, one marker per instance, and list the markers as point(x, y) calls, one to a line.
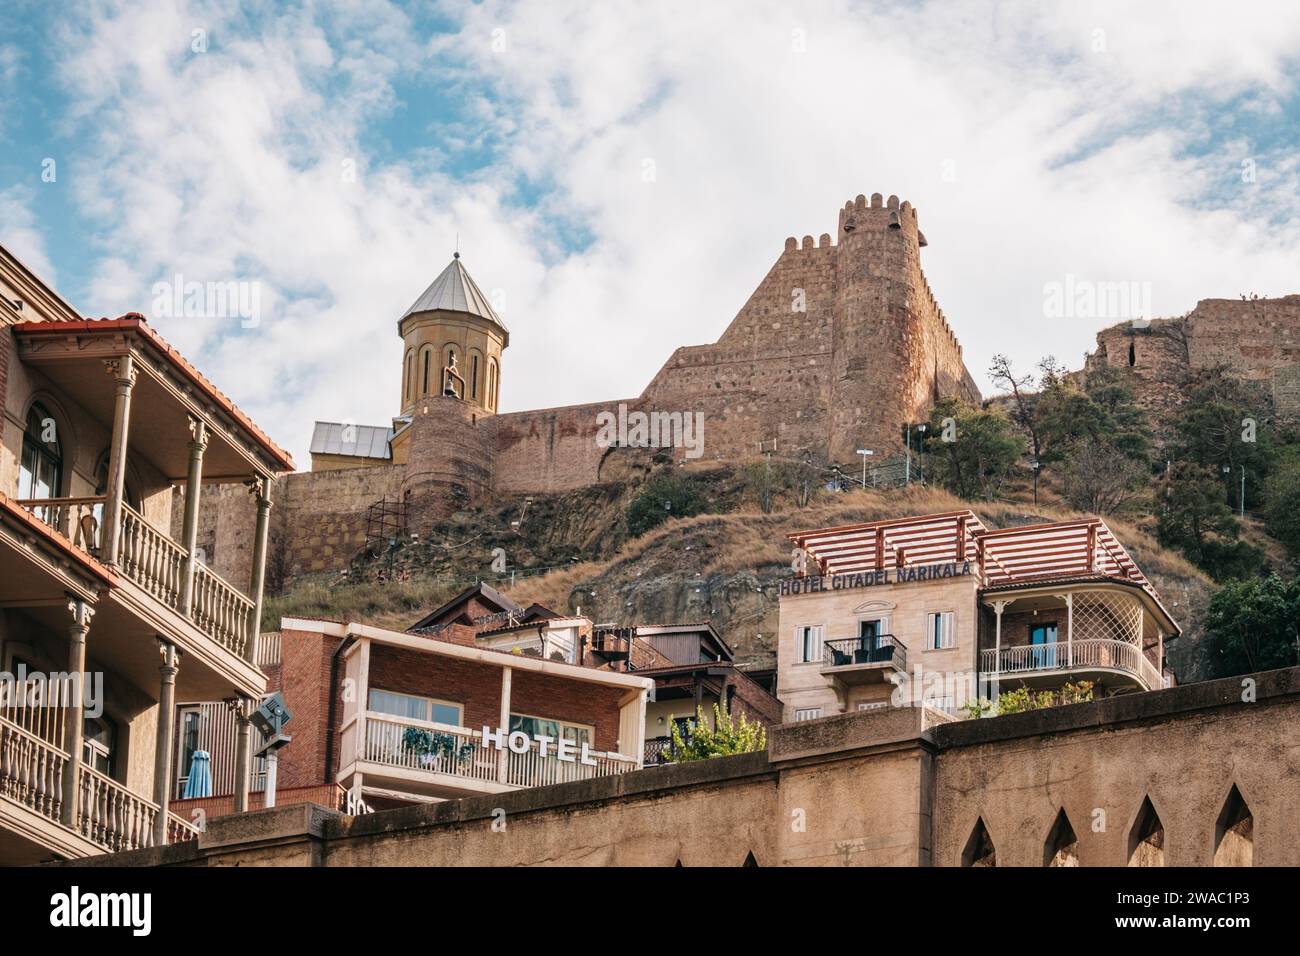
point(1254, 625)
point(1224, 424)
point(1195, 519)
point(660, 498)
point(1282, 506)
point(727, 736)
point(969, 451)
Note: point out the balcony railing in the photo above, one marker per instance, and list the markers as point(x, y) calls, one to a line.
point(110, 815)
point(466, 757)
point(1064, 656)
point(157, 564)
point(881, 649)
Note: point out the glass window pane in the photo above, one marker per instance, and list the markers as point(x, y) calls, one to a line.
point(399, 705)
point(446, 714)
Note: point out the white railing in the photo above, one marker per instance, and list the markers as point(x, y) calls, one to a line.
point(150, 558)
point(179, 829)
point(113, 816)
point(1076, 655)
point(465, 755)
point(31, 770)
point(268, 649)
point(77, 519)
point(221, 611)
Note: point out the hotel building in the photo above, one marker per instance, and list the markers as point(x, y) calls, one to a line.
point(940, 608)
point(108, 614)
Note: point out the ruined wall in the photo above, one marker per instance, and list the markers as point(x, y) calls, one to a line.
point(1259, 340)
point(879, 788)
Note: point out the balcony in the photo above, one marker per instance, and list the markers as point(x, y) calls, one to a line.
point(863, 660)
point(1086, 659)
point(110, 817)
point(460, 762)
point(157, 565)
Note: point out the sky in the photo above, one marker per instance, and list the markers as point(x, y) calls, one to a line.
point(619, 177)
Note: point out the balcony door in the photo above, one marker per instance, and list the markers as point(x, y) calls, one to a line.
point(1042, 638)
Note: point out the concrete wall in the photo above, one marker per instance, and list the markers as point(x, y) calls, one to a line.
point(879, 788)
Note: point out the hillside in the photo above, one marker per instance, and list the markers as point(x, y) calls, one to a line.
point(723, 565)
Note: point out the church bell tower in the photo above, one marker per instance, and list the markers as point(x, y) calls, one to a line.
point(453, 340)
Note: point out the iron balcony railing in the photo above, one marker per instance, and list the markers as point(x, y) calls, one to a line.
point(880, 649)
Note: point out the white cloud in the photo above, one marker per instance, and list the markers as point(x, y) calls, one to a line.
point(227, 165)
point(20, 233)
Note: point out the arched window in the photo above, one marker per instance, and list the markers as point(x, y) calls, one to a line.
point(473, 376)
point(98, 741)
point(408, 387)
point(492, 385)
point(424, 390)
point(41, 472)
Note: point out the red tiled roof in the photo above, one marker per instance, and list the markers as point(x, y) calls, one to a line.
point(135, 322)
point(87, 561)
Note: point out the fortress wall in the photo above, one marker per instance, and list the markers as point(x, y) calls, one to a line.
point(1258, 339)
point(549, 449)
point(767, 376)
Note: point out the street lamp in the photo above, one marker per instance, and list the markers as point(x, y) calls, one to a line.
point(1036, 465)
point(865, 453)
point(920, 451)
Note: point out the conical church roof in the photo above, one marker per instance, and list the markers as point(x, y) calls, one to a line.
point(455, 291)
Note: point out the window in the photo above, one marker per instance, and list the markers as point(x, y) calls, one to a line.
point(809, 641)
point(425, 389)
point(473, 376)
point(938, 630)
point(1042, 637)
point(410, 378)
point(872, 704)
point(807, 713)
point(412, 707)
point(97, 743)
point(41, 471)
point(555, 729)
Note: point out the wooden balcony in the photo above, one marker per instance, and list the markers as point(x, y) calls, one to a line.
point(1086, 659)
point(110, 818)
point(157, 564)
point(463, 764)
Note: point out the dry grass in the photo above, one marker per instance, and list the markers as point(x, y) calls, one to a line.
point(749, 540)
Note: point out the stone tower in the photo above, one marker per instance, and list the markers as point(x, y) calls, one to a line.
point(892, 352)
point(452, 324)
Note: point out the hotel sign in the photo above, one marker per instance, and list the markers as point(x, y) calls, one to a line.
point(866, 579)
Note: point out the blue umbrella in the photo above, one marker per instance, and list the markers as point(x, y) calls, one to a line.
point(199, 782)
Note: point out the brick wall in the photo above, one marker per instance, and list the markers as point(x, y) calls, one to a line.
point(305, 659)
point(477, 687)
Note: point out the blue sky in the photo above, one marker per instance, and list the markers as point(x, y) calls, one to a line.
point(622, 175)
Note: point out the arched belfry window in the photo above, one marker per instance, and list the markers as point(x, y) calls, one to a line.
point(424, 389)
point(408, 387)
point(492, 385)
point(41, 472)
point(473, 376)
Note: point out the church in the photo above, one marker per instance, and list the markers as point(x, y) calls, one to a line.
point(838, 349)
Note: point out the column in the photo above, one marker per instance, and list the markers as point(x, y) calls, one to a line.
point(162, 763)
point(503, 726)
point(124, 375)
point(72, 712)
point(1069, 630)
point(190, 530)
point(998, 608)
point(260, 489)
point(242, 707)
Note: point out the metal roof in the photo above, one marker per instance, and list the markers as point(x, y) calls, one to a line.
point(455, 291)
point(357, 441)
